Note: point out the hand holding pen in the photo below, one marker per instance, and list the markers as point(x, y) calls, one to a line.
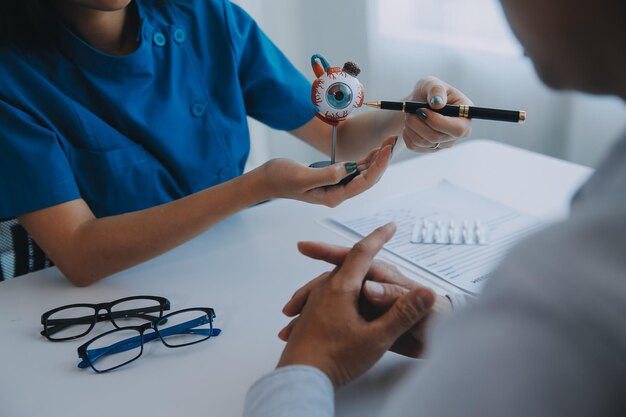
point(427, 131)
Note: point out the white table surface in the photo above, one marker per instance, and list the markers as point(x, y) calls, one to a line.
point(246, 268)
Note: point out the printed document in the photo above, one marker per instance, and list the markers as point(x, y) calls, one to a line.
point(466, 267)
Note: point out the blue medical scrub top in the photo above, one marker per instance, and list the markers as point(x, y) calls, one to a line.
point(128, 133)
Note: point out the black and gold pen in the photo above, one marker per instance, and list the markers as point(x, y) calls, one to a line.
point(468, 112)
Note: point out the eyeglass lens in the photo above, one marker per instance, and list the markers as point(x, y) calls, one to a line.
point(115, 349)
point(185, 328)
point(70, 322)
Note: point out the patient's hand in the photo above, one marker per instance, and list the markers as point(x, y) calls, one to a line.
point(330, 333)
point(384, 285)
point(288, 179)
point(382, 289)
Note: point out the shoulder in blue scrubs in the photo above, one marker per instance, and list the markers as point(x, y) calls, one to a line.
point(128, 133)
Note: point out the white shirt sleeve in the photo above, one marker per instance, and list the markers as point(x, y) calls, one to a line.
point(300, 390)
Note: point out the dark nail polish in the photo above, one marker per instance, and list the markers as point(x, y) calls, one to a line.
point(421, 114)
point(350, 167)
point(437, 100)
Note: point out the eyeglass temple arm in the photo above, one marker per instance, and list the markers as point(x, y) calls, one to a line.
point(135, 341)
point(56, 325)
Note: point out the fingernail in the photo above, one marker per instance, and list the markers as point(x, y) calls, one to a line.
point(420, 301)
point(375, 289)
point(436, 100)
point(421, 114)
point(390, 225)
point(351, 167)
point(425, 300)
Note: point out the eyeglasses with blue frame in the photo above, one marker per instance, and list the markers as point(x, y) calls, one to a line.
point(119, 347)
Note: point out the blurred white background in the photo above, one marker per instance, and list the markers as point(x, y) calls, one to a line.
point(464, 42)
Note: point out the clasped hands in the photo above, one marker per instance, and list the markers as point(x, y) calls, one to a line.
point(346, 319)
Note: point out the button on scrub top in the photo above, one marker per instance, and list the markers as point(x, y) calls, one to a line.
point(131, 132)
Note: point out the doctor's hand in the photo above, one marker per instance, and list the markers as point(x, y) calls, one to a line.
point(285, 178)
point(331, 334)
point(384, 285)
point(429, 131)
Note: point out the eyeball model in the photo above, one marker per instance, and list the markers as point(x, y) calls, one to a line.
point(336, 92)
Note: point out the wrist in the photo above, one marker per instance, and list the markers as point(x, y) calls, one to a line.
point(258, 186)
point(324, 365)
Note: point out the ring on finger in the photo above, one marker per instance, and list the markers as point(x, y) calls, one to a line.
point(436, 146)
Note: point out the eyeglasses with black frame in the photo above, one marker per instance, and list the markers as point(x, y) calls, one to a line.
point(123, 345)
point(76, 320)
